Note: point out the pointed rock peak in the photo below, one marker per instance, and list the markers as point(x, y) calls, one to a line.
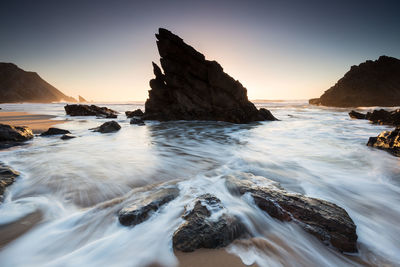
point(193, 88)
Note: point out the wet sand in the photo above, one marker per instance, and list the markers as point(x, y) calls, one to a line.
point(209, 258)
point(12, 231)
point(36, 122)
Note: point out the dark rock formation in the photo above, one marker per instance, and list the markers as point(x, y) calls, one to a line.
point(372, 83)
point(387, 140)
point(357, 115)
point(325, 220)
point(141, 209)
point(137, 121)
point(379, 116)
point(54, 131)
point(193, 88)
point(82, 100)
point(17, 85)
point(135, 113)
point(107, 127)
point(92, 110)
point(7, 177)
point(67, 136)
point(10, 133)
point(200, 232)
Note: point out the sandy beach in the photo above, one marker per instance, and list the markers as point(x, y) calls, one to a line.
point(38, 123)
point(209, 257)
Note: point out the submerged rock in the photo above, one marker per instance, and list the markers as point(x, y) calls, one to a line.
point(372, 83)
point(200, 231)
point(67, 136)
point(107, 127)
point(379, 116)
point(7, 177)
point(135, 113)
point(92, 110)
point(137, 121)
point(193, 88)
point(10, 133)
point(54, 131)
point(141, 209)
point(327, 221)
point(387, 140)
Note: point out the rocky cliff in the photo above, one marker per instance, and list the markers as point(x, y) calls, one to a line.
point(17, 85)
point(372, 83)
point(189, 87)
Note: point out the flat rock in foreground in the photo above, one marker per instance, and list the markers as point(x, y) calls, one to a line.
point(193, 88)
point(199, 231)
point(372, 83)
point(387, 140)
point(141, 209)
point(7, 177)
point(326, 221)
point(92, 110)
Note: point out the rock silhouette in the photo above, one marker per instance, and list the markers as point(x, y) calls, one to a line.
point(193, 88)
point(372, 83)
point(92, 110)
point(17, 85)
point(379, 116)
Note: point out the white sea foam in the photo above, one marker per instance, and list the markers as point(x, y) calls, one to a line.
point(319, 152)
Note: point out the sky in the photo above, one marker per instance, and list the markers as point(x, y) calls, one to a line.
point(103, 50)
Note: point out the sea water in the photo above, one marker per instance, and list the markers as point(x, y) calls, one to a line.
point(316, 151)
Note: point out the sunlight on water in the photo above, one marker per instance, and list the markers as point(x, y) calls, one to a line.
point(79, 185)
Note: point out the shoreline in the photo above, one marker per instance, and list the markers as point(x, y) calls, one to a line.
point(38, 123)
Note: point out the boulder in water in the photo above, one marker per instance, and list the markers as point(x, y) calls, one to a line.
point(379, 116)
point(200, 231)
point(54, 131)
point(67, 136)
point(10, 133)
point(387, 140)
point(193, 88)
point(137, 121)
point(141, 209)
point(326, 221)
point(357, 115)
point(92, 110)
point(7, 177)
point(108, 127)
point(135, 113)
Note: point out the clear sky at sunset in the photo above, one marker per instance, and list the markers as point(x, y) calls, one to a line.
point(103, 50)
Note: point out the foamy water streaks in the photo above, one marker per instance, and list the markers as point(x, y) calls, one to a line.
point(79, 186)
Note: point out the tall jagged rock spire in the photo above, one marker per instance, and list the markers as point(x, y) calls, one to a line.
point(193, 88)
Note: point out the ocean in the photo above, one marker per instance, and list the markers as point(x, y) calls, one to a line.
point(315, 151)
